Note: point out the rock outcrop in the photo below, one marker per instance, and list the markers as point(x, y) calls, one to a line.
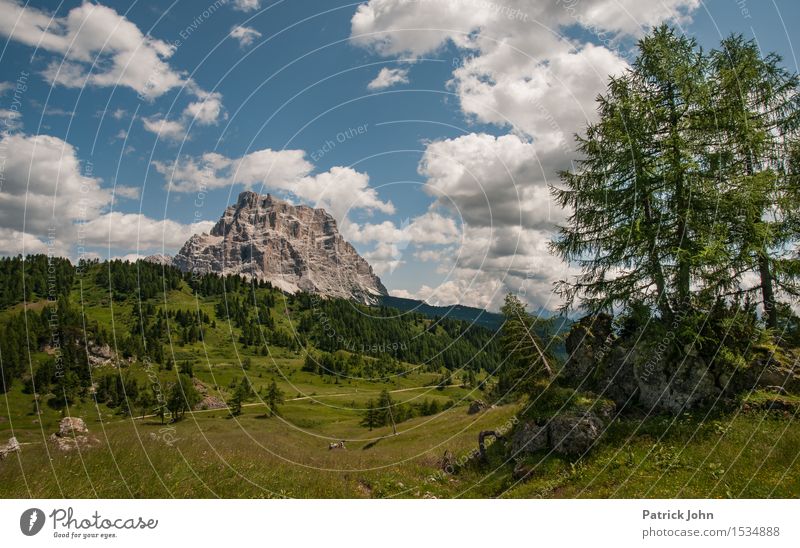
point(476, 406)
point(571, 434)
point(529, 437)
point(651, 375)
point(12, 446)
point(586, 344)
point(294, 247)
point(630, 372)
point(159, 258)
point(100, 354)
point(71, 426)
point(768, 370)
point(574, 434)
point(72, 433)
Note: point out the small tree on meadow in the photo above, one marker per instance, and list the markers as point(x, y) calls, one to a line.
point(183, 397)
point(274, 398)
point(371, 416)
point(241, 394)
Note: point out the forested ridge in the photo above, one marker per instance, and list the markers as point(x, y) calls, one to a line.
point(157, 309)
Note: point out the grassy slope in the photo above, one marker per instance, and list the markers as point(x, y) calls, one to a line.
point(211, 454)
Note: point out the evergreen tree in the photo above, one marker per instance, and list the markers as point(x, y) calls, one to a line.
point(241, 394)
point(528, 358)
point(160, 410)
point(371, 416)
point(188, 368)
point(182, 397)
point(145, 401)
point(687, 186)
point(385, 411)
point(756, 116)
point(274, 398)
point(640, 205)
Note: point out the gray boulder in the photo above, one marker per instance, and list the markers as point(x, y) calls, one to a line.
point(72, 434)
point(11, 447)
point(529, 437)
point(659, 379)
point(644, 377)
point(100, 354)
point(617, 378)
point(71, 426)
point(574, 435)
point(768, 370)
point(476, 406)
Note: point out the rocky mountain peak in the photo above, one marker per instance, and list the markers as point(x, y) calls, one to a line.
point(295, 247)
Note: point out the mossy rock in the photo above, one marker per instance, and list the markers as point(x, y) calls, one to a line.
point(770, 400)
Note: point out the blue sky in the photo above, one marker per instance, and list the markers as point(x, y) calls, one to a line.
point(430, 128)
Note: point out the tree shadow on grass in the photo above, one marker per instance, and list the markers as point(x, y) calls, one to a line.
point(371, 444)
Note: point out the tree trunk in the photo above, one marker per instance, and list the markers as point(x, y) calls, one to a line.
point(765, 274)
point(682, 205)
point(767, 292)
point(655, 265)
point(532, 338)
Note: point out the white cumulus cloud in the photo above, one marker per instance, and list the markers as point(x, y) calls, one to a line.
point(50, 202)
point(170, 130)
point(246, 5)
point(338, 190)
point(388, 77)
point(245, 35)
point(518, 72)
point(99, 46)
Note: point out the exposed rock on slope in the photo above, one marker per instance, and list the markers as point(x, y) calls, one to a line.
point(72, 434)
point(159, 258)
point(628, 371)
point(11, 447)
point(296, 248)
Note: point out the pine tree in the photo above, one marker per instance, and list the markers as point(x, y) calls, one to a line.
point(371, 419)
point(527, 357)
point(145, 401)
point(385, 409)
point(160, 410)
point(640, 206)
point(756, 116)
point(183, 397)
point(274, 398)
point(241, 394)
point(688, 184)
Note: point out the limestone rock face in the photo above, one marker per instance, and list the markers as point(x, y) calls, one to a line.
point(11, 447)
point(71, 426)
point(159, 258)
point(72, 434)
point(294, 247)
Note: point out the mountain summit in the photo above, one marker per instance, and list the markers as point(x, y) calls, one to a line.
point(294, 247)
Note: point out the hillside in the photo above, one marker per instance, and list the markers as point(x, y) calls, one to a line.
point(118, 334)
point(129, 332)
point(479, 316)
